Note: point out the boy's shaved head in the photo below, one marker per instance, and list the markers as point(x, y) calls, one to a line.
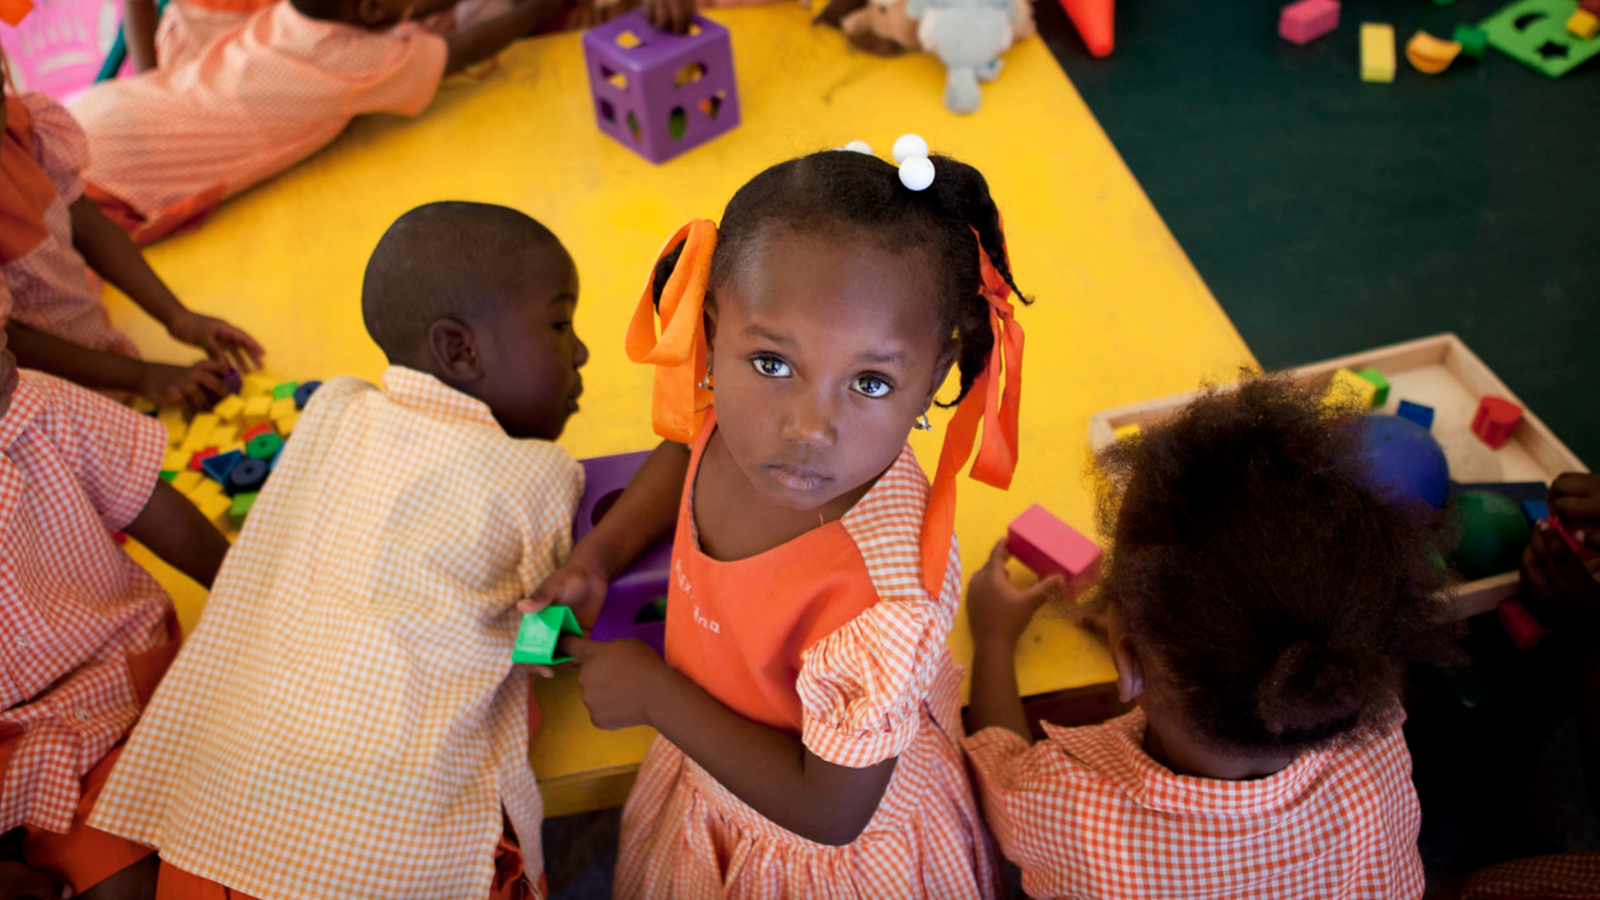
point(448, 260)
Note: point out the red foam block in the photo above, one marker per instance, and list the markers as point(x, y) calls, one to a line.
point(1519, 624)
point(1495, 421)
point(1050, 546)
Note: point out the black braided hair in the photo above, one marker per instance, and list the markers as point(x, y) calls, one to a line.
point(840, 193)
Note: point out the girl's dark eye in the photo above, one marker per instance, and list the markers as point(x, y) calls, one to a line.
point(871, 386)
point(771, 367)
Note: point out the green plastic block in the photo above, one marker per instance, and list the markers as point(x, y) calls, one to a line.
point(536, 639)
point(285, 391)
point(242, 504)
point(1473, 41)
point(263, 446)
point(168, 475)
point(1534, 32)
point(1378, 381)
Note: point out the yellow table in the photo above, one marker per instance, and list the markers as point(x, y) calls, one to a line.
point(1121, 314)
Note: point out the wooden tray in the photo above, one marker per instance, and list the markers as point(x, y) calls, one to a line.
point(1438, 371)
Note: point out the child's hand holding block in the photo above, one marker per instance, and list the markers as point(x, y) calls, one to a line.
point(1050, 546)
point(536, 639)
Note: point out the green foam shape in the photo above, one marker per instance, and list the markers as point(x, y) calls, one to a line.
point(285, 391)
point(1379, 382)
point(1472, 39)
point(536, 639)
point(1548, 25)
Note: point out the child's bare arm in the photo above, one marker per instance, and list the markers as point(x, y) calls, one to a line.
point(175, 531)
point(480, 41)
point(139, 33)
point(643, 516)
point(110, 252)
point(998, 613)
point(625, 683)
point(101, 370)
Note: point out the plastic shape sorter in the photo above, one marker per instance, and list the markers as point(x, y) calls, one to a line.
point(659, 93)
point(636, 599)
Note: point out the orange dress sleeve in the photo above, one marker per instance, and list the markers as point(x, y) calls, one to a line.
point(59, 144)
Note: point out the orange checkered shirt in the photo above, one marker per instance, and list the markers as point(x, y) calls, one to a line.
point(1087, 813)
point(345, 721)
point(238, 102)
point(881, 685)
point(73, 606)
point(51, 287)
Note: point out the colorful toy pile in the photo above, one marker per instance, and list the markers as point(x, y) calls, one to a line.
point(221, 459)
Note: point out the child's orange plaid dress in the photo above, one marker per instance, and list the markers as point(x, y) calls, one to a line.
point(1087, 813)
point(346, 720)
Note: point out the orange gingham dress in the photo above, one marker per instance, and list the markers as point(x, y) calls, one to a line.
point(880, 685)
point(225, 112)
point(1086, 813)
point(51, 289)
point(74, 608)
point(345, 721)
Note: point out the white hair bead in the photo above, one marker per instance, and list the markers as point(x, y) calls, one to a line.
point(858, 147)
point(916, 173)
point(908, 145)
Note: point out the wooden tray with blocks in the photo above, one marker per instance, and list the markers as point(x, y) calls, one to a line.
point(1441, 372)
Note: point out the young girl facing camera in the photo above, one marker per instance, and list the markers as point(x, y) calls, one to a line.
point(808, 706)
point(1261, 605)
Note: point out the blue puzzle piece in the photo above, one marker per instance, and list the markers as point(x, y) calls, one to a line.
point(1416, 412)
point(247, 476)
point(302, 394)
point(220, 465)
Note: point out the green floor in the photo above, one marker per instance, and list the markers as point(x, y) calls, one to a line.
point(1329, 216)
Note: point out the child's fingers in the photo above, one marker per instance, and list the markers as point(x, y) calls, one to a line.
point(543, 671)
point(207, 377)
point(1055, 584)
point(580, 649)
point(998, 555)
point(532, 604)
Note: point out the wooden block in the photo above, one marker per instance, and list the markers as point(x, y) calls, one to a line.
point(203, 424)
point(198, 460)
point(285, 390)
point(282, 407)
point(142, 406)
point(256, 411)
point(1519, 624)
point(1050, 546)
point(1496, 420)
point(1377, 52)
point(176, 461)
point(1307, 20)
point(287, 423)
point(1416, 412)
point(203, 490)
point(258, 384)
point(222, 435)
point(1379, 382)
point(255, 431)
point(1349, 393)
point(177, 424)
point(229, 408)
point(216, 510)
point(242, 504)
point(186, 481)
point(1584, 23)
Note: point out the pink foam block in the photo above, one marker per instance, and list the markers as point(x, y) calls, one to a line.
point(1307, 20)
point(1495, 421)
point(1050, 546)
point(1519, 624)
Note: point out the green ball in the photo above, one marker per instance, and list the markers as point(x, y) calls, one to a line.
point(1494, 532)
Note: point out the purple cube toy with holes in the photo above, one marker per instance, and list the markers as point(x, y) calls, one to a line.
point(660, 93)
point(636, 602)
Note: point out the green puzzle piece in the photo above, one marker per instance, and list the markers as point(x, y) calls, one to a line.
point(1534, 32)
point(536, 639)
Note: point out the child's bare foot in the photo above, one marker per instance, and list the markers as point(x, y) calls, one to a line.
point(19, 882)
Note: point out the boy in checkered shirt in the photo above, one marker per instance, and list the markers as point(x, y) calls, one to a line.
point(346, 720)
point(1261, 603)
point(85, 632)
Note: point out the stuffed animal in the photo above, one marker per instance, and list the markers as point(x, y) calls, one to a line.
point(882, 28)
point(968, 36)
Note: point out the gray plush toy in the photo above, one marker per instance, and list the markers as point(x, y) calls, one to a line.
point(968, 36)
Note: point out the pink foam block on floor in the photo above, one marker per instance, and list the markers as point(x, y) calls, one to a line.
point(1050, 546)
point(1307, 20)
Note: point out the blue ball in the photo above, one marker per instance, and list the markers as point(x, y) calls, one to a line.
point(1403, 459)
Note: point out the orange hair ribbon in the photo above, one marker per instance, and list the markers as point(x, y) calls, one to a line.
point(679, 353)
point(12, 12)
point(994, 400)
